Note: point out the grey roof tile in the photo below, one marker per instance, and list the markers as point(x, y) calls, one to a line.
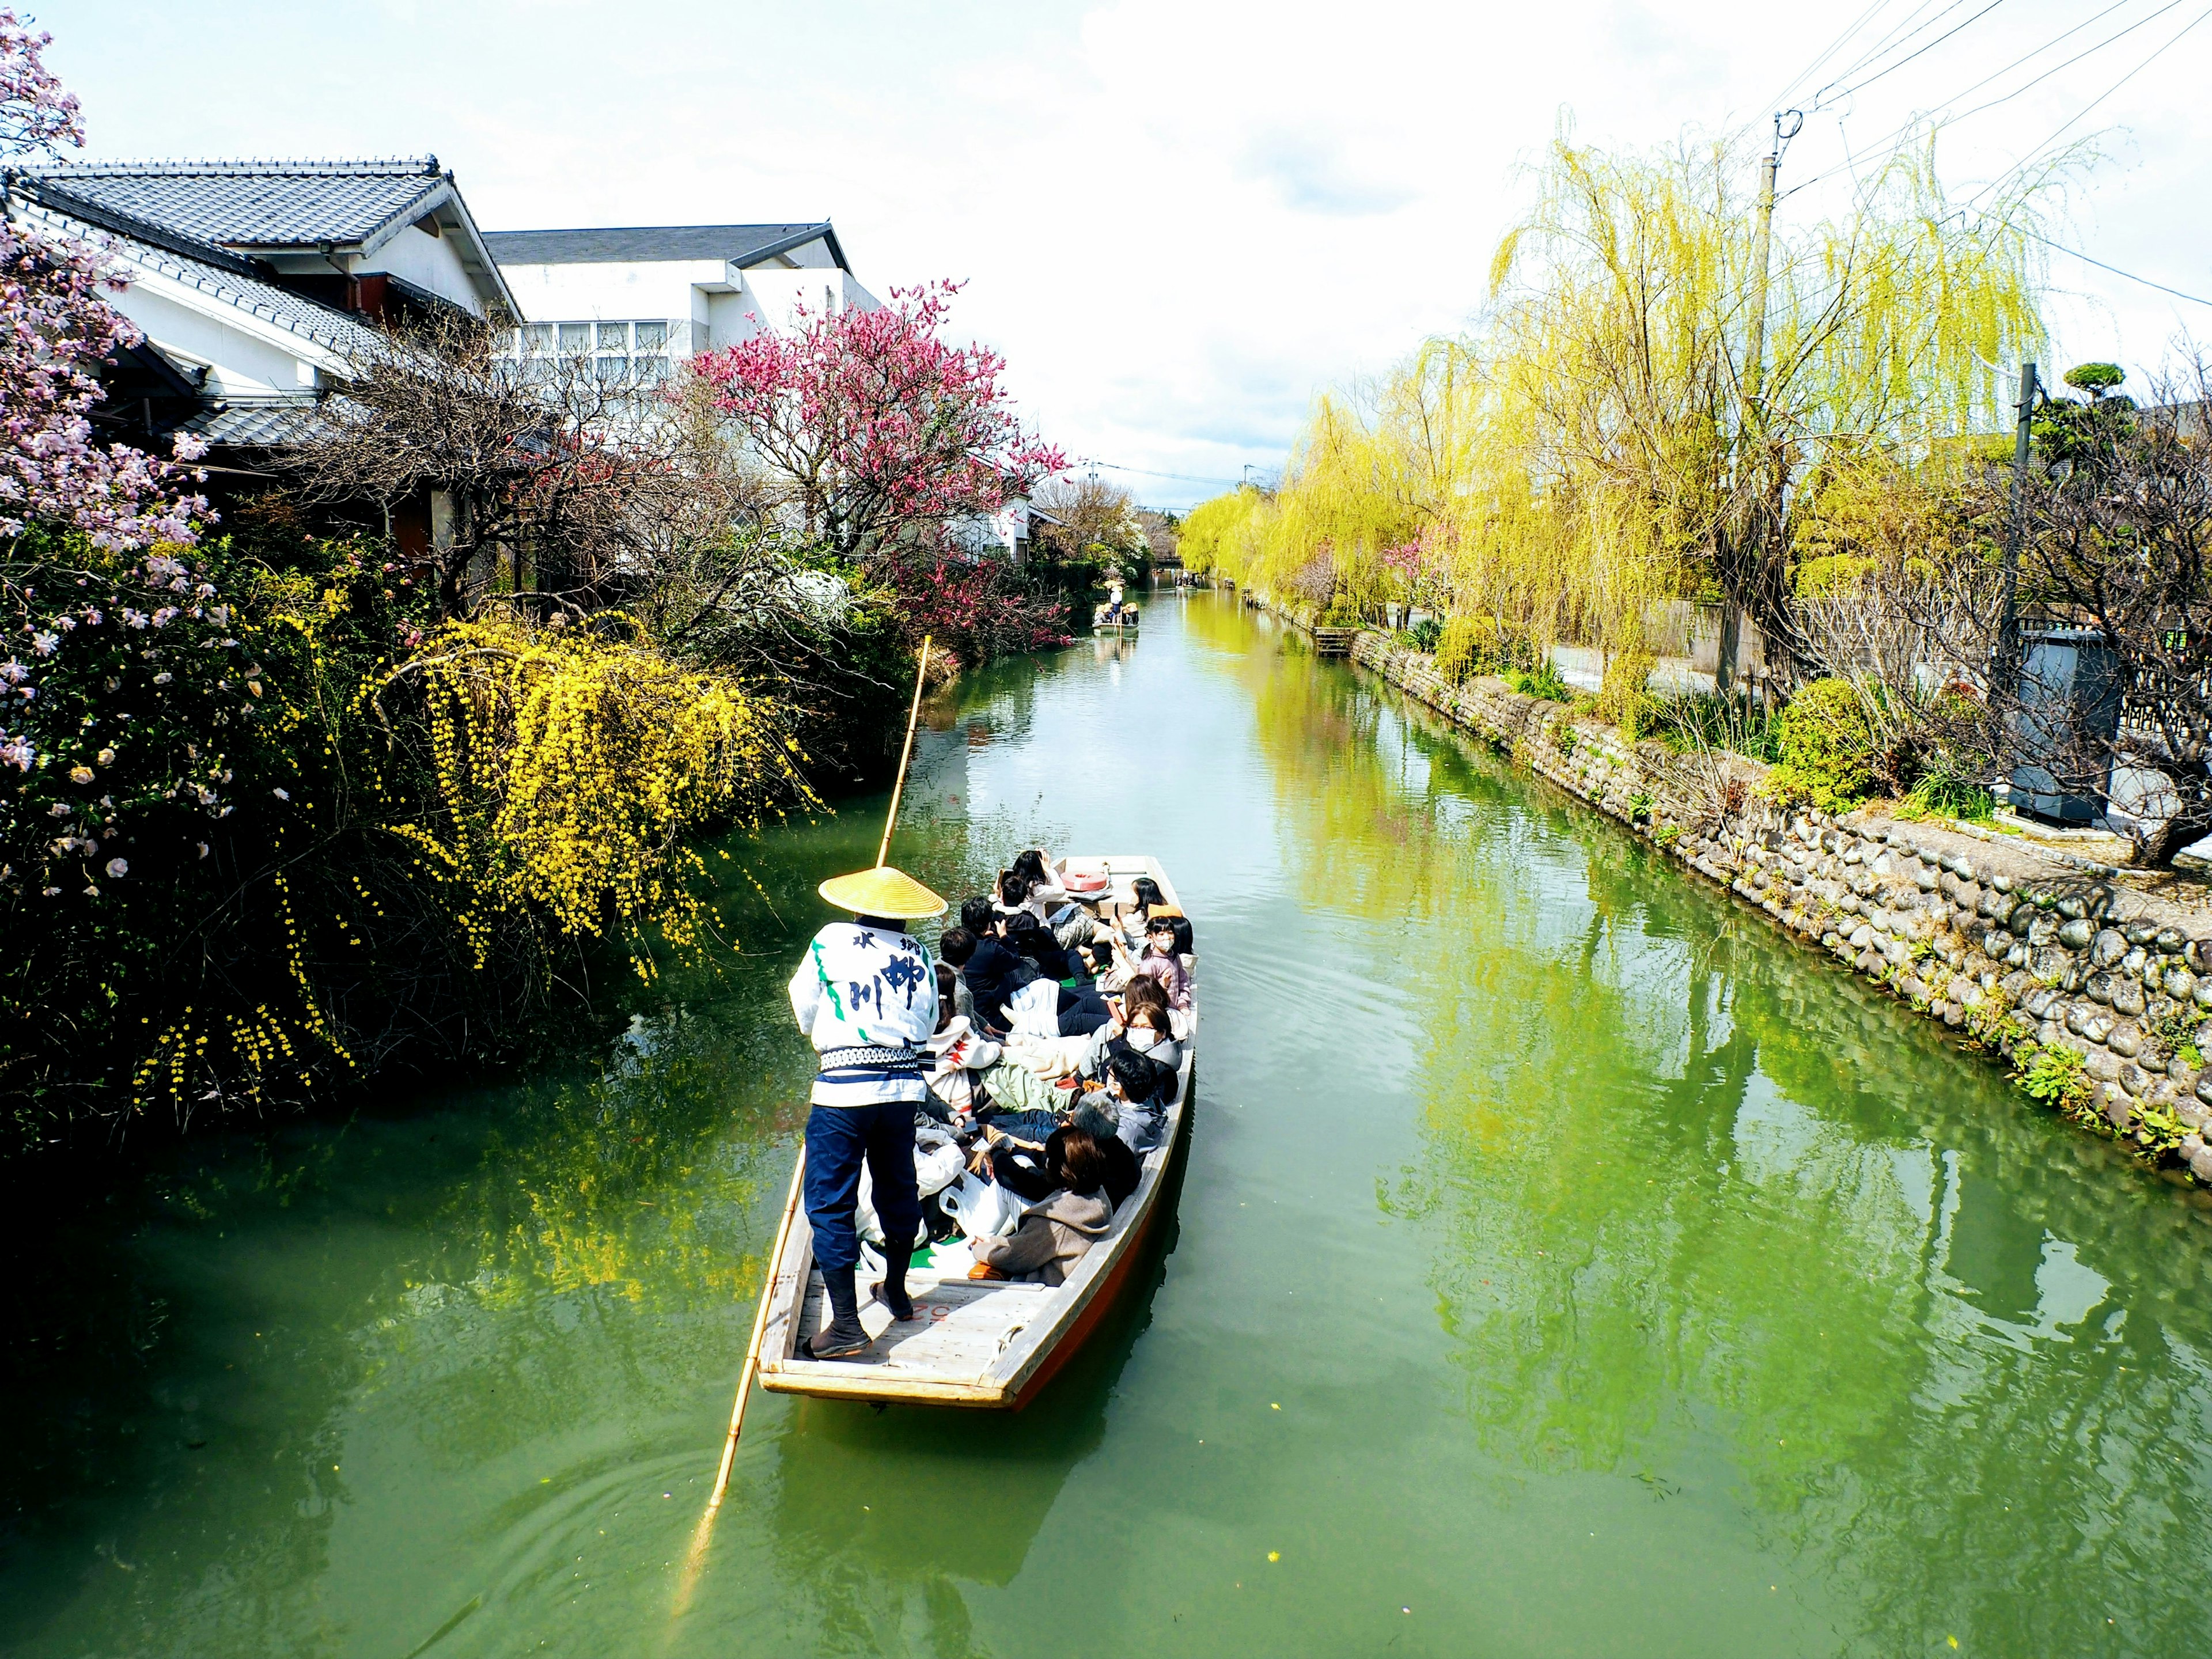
point(322, 324)
point(253, 424)
point(737, 244)
point(246, 205)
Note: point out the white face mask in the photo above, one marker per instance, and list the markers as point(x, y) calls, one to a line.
point(1144, 1039)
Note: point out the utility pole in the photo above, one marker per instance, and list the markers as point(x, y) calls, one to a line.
point(2009, 627)
point(1754, 368)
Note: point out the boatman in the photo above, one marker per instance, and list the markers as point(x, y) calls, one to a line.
point(866, 996)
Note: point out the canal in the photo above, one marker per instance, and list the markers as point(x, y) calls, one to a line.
point(1566, 1265)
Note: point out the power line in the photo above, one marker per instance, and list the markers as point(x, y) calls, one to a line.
point(2115, 269)
point(1903, 61)
point(1897, 30)
point(2091, 105)
point(1952, 121)
point(1185, 477)
point(1833, 47)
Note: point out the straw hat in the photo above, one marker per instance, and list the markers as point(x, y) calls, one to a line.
point(882, 891)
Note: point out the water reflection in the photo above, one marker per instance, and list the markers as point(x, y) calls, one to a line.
point(1692, 1213)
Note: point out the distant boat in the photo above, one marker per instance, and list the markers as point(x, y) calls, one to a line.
point(1123, 622)
point(984, 1343)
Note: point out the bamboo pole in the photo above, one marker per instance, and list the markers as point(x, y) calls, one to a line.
point(898, 784)
point(752, 1368)
point(752, 1348)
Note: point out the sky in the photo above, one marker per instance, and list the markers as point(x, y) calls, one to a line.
point(1179, 221)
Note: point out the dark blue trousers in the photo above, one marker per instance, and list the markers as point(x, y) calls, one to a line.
point(837, 1139)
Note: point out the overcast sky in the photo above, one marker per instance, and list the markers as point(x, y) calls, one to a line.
point(1178, 220)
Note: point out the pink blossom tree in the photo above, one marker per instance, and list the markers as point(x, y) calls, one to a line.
point(56, 331)
point(885, 435)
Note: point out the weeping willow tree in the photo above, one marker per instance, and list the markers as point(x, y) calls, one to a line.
point(1599, 440)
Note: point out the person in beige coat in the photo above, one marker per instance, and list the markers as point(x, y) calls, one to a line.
point(1056, 1230)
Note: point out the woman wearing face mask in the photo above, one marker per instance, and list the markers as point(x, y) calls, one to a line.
point(1146, 1034)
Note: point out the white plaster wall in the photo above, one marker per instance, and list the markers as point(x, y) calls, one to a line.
point(244, 363)
point(428, 262)
point(774, 294)
point(614, 290)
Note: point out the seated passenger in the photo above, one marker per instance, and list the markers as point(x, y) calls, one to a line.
point(1057, 1230)
point(1011, 995)
point(980, 916)
point(958, 1056)
point(1069, 923)
point(1026, 937)
point(1123, 1172)
point(1139, 1091)
point(1161, 961)
point(1018, 897)
point(1034, 867)
point(1147, 1032)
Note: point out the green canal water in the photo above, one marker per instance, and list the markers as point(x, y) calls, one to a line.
point(1565, 1265)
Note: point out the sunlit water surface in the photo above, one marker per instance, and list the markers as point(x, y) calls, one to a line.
point(1566, 1265)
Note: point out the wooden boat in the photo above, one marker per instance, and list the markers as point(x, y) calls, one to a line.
point(989, 1344)
point(1126, 625)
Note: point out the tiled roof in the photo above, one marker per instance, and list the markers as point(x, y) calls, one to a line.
point(246, 204)
point(738, 245)
point(253, 423)
point(322, 324)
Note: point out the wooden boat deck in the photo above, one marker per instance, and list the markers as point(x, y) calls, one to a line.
point(984, 1343)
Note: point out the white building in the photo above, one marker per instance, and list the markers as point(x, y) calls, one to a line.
point(639, 299)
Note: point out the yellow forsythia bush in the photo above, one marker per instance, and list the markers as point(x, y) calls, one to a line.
point(572, 764)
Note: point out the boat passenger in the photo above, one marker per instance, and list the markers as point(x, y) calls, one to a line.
point(958, 1056)
point(1026, 937)
point(1056, 1231)
point(866, 997)
point(1148, 1033)
point(1034, 867)
point(1123, 1172)
point(1161, 961)
point(1011, 995)
point(1139, 1092)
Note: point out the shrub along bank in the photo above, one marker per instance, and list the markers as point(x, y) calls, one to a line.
point(2100, 996)
point(274, 826)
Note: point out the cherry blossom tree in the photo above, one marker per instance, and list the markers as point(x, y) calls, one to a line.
point(884, 435)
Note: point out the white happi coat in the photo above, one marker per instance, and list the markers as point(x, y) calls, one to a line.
point(866, 997)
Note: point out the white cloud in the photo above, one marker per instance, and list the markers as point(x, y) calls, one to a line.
point(1178, 221)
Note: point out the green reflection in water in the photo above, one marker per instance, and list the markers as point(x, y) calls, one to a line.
point(1565, 1265)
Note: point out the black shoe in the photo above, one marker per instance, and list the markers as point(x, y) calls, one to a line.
point(834, 1343)
point(890, 1290)
point(847, 1338)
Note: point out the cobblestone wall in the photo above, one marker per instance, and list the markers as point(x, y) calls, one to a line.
point(1998, 941)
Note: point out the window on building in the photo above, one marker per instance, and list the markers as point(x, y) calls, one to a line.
point(651, 337)
point(538, 340)
point(612, 369)
point(614, 337)
point(650, 371)
point(576, 337)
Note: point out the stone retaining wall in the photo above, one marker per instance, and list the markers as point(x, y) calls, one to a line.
point(2008, 946)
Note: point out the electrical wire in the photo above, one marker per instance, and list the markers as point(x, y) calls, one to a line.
point(1833, 47)
point(1185, 477)
point(1897, 30)
point(1952, 121)
point(2077, 254)
point(1903, 61)
point(2023, 161)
